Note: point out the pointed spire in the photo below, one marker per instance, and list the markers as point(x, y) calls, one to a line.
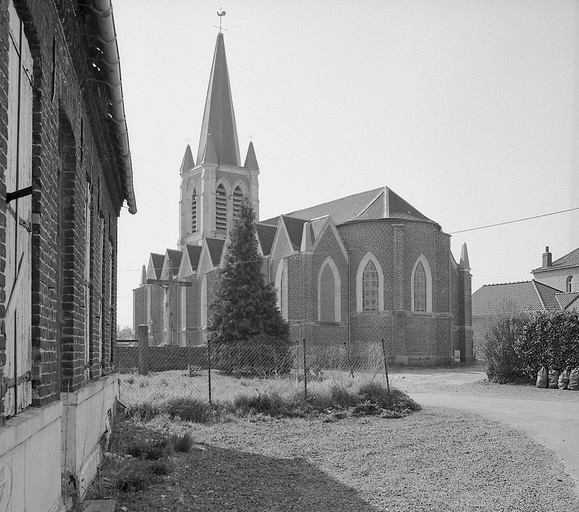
point(209, 156)
point(307, 238)
point(464, 263)
point(250, 159)
point(188, 163)
point(218, 117)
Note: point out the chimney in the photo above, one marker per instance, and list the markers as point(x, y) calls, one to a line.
point(547, 258)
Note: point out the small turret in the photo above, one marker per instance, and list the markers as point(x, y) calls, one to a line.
point(547, 258)
point(250, 159)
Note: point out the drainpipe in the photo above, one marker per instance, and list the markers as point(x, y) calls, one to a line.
point(108, 36)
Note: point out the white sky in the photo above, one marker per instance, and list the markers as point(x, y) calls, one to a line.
point(468, 109)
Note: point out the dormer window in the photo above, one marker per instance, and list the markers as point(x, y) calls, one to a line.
point(569, 284)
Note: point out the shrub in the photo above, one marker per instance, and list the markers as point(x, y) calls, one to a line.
point(149, 450)
point(502, 361)
point(181, 443)
point(133, 477)
point(549, 339)
point(145, 411)
point(189, 409)
point(271, 403)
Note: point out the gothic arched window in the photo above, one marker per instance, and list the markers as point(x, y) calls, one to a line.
point(419, 288)
point(569, 284)
point(370, 288)
point(329, 292)
point(237, 200)
point(221, 209)
point(194, 212)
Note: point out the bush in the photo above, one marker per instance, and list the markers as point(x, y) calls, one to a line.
point(148, 450)
point(181, 443)
point(189, 409)
point(503, 363)
point(549, 339)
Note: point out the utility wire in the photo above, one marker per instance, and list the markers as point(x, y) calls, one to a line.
point(513, 221)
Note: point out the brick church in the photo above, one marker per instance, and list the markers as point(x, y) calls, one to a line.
point(359, 269)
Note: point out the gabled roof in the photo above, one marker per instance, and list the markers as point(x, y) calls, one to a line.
point(569, 260)
point(524, 296)
point(379, 203)
point(193, 253)
point(155, 265)
point(295, 228)
point(173, 259)
point(215, 248)
point(265, 236)
point(218, 117)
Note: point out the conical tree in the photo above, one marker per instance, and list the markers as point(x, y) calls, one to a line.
point(245, 305)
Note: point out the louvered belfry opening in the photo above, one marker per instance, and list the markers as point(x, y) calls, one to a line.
point(221, 210)
point(237, 201)
point(194, 212)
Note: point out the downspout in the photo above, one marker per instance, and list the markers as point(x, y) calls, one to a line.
point(108, 36)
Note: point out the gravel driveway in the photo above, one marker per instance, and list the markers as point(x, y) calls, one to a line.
point(548, 416)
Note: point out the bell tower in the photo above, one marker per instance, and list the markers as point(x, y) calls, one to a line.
point(213, 188)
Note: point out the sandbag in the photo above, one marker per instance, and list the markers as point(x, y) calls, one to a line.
point(553, 379)
point(574, 380)
point(542, 378)
point(563, 380)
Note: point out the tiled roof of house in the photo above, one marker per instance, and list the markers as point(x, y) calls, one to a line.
point(266, 235)
point(514, 297)
point(568, 300)
point(215, 247)
point(379, 203)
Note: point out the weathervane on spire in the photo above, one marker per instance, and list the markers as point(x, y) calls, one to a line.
point(220, 14)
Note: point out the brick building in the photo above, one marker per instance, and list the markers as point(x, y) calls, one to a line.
point(356, 270)
point(66, 171)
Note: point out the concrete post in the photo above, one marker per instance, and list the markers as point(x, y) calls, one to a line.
point(143, 336)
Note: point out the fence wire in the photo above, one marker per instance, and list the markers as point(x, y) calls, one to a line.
point(219, 374)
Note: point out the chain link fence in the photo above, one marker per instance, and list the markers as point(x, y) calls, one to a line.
point(219, 374)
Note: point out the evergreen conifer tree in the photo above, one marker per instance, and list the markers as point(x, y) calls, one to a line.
point(245, 305)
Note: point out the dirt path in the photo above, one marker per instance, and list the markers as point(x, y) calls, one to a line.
point(550, 417)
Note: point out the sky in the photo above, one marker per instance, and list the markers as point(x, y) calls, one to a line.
point(468, 109)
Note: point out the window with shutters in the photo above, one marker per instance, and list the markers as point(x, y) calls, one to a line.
point(221, 209)
point(237, 201)
point(194, 212)
point(18, 177)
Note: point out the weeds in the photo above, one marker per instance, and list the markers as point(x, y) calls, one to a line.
point(181, 443)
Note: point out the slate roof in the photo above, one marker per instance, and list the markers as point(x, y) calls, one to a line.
point(569, 260)
point(218, 117)
point(175, 257)
point(215, 247)
point(265, 235)
point(157, 260)
point(194, 253)
point(295, 228)
point(522, 296)
point(379, 203)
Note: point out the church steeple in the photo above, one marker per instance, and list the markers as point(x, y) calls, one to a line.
point(218, 117)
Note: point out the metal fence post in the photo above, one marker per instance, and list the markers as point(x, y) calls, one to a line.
point(305, 370)
point(209, 369)
point(385, 365)
point(143, 339)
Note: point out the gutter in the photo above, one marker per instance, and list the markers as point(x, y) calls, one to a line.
point(107, 34)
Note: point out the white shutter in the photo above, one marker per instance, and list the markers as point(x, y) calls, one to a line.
point(17, 373)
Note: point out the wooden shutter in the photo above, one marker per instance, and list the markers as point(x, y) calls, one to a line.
point(17, 375)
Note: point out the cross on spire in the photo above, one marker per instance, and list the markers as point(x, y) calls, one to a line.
point(221, 13)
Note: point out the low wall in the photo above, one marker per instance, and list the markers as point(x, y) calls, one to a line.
point(161, 359)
